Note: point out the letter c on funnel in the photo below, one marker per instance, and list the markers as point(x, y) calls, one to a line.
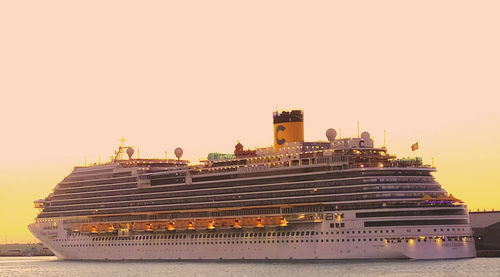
point(278, 129)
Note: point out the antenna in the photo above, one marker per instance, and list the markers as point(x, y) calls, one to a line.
point(384, 139)
point(165, 155)
point(123, 141)
point(121, 149)
point(138, 152)
point(99, 159)
point(358, 129)
point(340, 133)
point(85, 160)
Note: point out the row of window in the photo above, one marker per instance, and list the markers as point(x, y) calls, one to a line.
point(226, 235)
point(114, 183)
point(399, 240)
point(260, 211)
point(86, 173)
point(416, 222)
point(459, 211)
point(100, 180)
point(252, 192)
point(416, 203)
point(268, 173)
point(303, 170)
point(390, 240)
point(167, 206)
point(224, 242)
point(194, 188)
point(231, 196)
point(247, 235)
point(200, 214)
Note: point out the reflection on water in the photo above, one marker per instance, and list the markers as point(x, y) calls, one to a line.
point(49, 266)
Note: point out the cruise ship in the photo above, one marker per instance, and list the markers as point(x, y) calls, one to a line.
point(341, 198)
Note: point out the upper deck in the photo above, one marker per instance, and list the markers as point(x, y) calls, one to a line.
point(341, 173)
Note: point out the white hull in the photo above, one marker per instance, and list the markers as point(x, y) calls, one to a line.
point(361, 243)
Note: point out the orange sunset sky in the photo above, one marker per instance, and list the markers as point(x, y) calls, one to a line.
point(76, 76)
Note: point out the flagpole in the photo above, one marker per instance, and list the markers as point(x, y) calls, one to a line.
point(384, 140)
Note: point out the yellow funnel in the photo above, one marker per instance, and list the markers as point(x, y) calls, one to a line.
point(288, 127)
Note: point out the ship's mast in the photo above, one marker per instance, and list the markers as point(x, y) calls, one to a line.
point(121, 149)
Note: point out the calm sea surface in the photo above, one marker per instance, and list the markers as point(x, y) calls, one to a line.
point(49, 266)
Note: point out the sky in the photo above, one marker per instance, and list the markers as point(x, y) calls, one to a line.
point(76, 76)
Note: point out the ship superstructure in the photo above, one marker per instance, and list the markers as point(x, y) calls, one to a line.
point(338, 199)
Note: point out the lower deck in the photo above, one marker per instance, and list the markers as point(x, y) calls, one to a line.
point(322, 240)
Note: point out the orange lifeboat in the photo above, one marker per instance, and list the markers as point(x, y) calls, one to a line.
point(453, 199)
point(283, 222)
point(427, 198)
point(171, 226)
point(211, 225)
point(260, 223)
point(236, 224)
point(190, 225)
point(441, 197)
point(148, 227)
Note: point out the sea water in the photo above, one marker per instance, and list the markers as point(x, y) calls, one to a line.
point(50, 266)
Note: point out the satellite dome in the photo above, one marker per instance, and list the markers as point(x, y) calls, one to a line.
point(130, 152)
point(331, 134)
point(365, 135)
point(178, 152)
